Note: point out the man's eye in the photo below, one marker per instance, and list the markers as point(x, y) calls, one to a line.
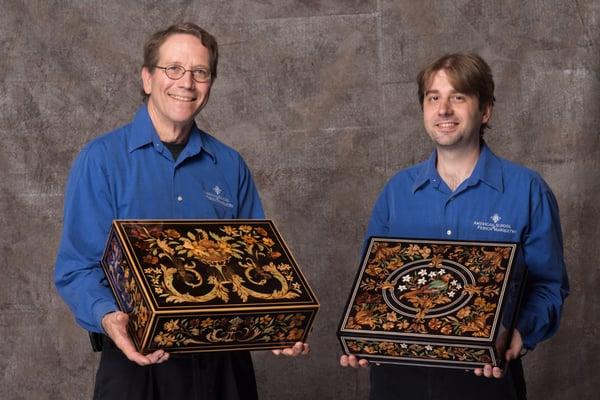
point(175, 69)
point(459, 97)
point(201, 74)
point(433, 98)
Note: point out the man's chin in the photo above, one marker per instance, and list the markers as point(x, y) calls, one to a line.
point(185, 116)
point(445, 139)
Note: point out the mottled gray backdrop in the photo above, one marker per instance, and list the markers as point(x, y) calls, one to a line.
point(319, 97)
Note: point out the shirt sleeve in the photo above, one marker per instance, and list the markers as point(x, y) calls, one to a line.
point(249, 204)
point(547, 283)
point(88, 212)
point(379, 224)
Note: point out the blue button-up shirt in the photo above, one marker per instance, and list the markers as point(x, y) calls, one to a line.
point(130, 174)
point(500, 201)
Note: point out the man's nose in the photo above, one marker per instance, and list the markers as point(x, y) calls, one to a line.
point(445, 107)
point(186, 80)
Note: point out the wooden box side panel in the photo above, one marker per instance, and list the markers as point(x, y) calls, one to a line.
point(126, 289)
point(410, 352)
point(230, 331)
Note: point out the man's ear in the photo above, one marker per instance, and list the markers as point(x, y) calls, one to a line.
point(146, 80)
point(487, 113)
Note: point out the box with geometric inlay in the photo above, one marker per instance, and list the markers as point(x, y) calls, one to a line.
point(434, 303)
point(207, 285)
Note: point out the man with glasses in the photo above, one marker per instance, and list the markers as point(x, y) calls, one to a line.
point(159, 166)
point(462, 192)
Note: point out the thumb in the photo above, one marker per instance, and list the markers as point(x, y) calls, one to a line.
point(122, 317)
point(512, 353)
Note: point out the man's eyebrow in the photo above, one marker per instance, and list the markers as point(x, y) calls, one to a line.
point(453, 91)
point(181, 64)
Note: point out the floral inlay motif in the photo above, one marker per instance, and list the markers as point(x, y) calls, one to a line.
point(430, 289)
point(419, 351)
point(202, 266)
point(126, 289)
point(265, 328)
point(425, 289)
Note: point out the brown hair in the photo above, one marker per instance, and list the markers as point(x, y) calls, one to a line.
point(152, 46)
point(468, 73)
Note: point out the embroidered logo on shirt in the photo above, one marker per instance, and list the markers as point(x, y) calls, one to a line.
point(217, 198)
point(494, 226)
point(496, 218)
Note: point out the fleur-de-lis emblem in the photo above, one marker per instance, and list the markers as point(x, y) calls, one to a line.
point(496, 218)
point(217, 190)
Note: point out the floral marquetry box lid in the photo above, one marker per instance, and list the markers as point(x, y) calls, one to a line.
point(435, 303)
point(207, 285)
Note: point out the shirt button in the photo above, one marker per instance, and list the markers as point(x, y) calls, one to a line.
point(448, 232)
point(179, 198)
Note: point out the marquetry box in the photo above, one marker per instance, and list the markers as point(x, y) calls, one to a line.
point(434, 303)
point(207, 285)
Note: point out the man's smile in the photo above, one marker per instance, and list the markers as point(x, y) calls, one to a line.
point(182, 98)
point(446, 124)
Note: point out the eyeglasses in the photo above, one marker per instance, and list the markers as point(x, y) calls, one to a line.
point(176, 72)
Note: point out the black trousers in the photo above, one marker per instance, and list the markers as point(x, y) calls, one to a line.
point(399, 382)
point(201, 376)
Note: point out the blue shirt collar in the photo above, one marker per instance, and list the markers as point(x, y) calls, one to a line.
point(143, 133)
point(427, 173)
point(487, 170)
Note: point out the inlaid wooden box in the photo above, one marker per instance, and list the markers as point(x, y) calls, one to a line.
point(434, 303)
point(207, 285)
